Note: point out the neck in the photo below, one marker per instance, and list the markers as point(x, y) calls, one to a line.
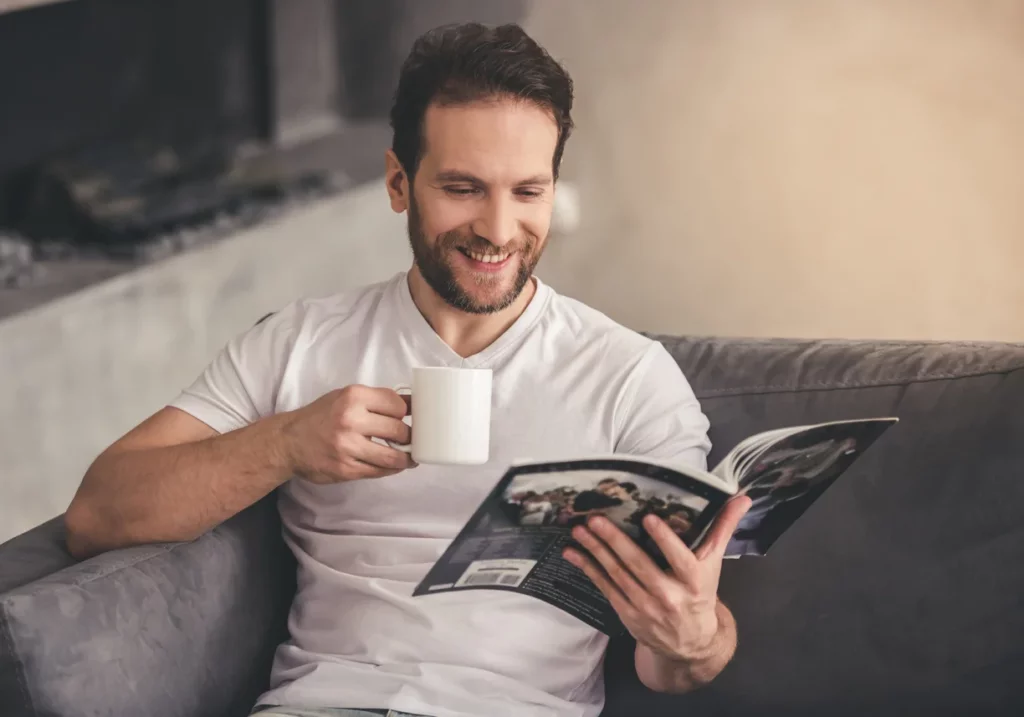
point(466, 334)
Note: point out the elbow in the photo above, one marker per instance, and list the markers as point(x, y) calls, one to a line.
point(91, 528)
point(76, 537)
point(82, 538)
point(83, 520)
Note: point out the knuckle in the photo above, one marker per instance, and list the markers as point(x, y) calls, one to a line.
point(621, 575)
point(399, 460)
point(668, 598)
point(388, 461)
point(351, 394)
point(342, 395)
point(346, 419)
point(343, 448)
point(648, 607)
point(401, 407)
point(339, 445)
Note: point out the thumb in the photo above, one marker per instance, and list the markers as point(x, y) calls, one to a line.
point(725, 526)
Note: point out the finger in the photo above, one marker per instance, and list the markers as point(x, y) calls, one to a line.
point(618, 601)
point(382, 456)
point(713, 547)
point(680, 558)
point(613, 567)
point(639, 563)
point(384, 401)
point(391, 429)
point(365, 470)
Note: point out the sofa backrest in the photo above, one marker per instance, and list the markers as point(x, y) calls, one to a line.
point(900, 591)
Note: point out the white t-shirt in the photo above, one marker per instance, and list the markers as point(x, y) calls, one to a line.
point(567, 382)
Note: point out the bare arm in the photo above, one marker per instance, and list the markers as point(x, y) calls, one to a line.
point(662, 674)
point(173, 477)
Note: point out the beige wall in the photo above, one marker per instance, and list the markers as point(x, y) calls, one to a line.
point(796, 167)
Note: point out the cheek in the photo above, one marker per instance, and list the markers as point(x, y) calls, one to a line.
point(537, 221)
point(446, 216)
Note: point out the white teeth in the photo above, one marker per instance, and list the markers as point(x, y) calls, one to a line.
point(488, 258)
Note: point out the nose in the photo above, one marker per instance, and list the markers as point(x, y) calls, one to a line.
point(498, 223)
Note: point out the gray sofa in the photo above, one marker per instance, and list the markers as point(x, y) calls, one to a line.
point(900, 592)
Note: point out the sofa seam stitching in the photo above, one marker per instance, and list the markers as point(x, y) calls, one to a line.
point(831, 343)
point(106, 573)
point(846, 385)
point(119, 566)
point(19, 669)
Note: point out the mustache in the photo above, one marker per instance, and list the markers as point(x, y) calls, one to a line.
point(456, 240)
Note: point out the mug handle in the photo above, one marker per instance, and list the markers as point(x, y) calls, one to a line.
point(405, 447)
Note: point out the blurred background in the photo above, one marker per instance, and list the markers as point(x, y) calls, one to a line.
point(171, 170)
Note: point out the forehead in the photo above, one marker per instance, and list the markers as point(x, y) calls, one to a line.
point(496, 140)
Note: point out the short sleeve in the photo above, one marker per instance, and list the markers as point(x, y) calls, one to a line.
point(240, 384)
point(659, 416)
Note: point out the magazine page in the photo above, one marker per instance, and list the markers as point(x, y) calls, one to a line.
point(786, 476)
point(515, 539)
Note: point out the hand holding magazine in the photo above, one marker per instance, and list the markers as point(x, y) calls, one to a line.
point(514, 540)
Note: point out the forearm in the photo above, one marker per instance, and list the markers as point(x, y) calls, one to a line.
point(177, 492)
point(662, 674)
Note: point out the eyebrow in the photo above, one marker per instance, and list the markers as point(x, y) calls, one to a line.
point(453, 175)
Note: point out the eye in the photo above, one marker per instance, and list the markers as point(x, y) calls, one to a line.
point(461, 191)
point(530, 193)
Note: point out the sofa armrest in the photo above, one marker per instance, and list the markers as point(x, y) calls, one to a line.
point(33, 555)
point(169, 630)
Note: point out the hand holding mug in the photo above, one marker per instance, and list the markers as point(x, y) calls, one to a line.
point(331, 439)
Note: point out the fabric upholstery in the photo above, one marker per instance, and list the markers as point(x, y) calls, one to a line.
point(24, 559)
point(899, 592)
point(177, 630)
point(33, 555)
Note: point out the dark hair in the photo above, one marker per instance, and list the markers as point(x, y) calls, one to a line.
point(459, 64)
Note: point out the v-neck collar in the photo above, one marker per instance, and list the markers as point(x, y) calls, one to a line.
point(425, 335)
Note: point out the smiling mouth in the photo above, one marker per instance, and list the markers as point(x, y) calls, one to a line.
point(489, 258)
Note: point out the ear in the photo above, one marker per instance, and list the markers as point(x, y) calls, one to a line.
point(397, 183)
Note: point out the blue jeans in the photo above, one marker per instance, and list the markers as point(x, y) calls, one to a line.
point(285, 711)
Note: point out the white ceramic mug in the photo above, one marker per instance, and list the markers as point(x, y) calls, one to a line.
point(451, 415)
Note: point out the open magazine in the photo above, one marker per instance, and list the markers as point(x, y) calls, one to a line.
point(514, 540)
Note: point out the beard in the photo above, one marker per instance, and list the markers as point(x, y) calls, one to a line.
point(435, 265)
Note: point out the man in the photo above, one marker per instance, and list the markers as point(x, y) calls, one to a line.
point(297, 402)
point(610, 498)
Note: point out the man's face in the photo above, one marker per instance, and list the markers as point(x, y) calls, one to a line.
point(614, 490)
point(480, 205)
